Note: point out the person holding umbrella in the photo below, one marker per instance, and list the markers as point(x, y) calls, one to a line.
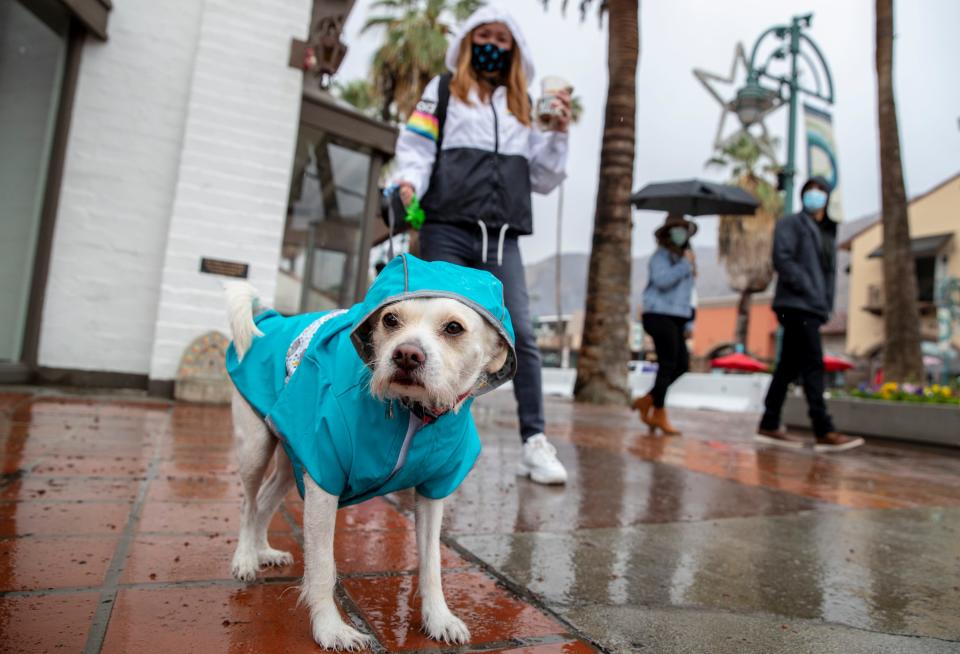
point(668, 315)
point(805, 258)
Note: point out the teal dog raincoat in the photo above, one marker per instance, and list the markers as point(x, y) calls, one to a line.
point(308, 375)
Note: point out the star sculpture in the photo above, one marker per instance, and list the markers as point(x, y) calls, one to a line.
point(715, 83)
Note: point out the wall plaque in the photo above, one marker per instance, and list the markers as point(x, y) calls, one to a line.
point(225, 268)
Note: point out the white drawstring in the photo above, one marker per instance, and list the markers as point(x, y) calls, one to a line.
point(503, 234)
point(483, 247)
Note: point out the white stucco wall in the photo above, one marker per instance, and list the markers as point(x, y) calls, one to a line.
point(118, 186)
point(232, 190)
point(180, 147)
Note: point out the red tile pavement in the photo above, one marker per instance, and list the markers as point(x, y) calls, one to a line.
point(45, 563)
point(359, 551)
point(151, 487)
point(40, 518)
point(215, 619)
point(46, 623)
point(196, 487)
point(198, 517)
point(392, 607)
point(93, 466)
point(38, 487)
point(197, 558)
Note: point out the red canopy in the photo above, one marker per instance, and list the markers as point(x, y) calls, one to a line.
point(835, 364)
point(738, 361)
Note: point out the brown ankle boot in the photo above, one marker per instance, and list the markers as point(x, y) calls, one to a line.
point(659, 420)
point(643, 405)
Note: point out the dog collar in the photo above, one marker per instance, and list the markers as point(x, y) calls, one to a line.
point(429, 415)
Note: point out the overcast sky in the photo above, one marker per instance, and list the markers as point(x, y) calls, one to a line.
point(677, 119)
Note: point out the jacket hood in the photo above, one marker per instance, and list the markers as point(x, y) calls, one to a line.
point(407, 277)
point(490, 14)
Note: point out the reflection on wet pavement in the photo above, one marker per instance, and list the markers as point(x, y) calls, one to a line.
point(710, 523)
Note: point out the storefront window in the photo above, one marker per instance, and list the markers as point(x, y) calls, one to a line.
point(325, 219)
point(33, 50)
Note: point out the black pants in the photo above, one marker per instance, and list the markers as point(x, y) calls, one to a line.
point(462, 245)
point(673, 359)
point(801, 354)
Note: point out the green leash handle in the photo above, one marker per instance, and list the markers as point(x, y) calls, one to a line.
point(415, 216)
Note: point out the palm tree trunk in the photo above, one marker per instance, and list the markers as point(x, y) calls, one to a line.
point(558, 278)
point(743, 319)
point(902, 360)
point(604, 352)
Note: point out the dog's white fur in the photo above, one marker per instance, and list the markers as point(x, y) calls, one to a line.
point(453, 366)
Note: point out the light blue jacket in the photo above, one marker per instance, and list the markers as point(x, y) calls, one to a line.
point(317, 401)
point(669, 288)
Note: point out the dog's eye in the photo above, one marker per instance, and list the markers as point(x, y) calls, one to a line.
point(390, 320)
point(453, 328)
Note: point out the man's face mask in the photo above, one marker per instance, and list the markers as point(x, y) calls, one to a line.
point(679, 236)
point(814, 199)
point(488, 58)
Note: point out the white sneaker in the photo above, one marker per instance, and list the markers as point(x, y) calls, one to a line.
point(539, 462)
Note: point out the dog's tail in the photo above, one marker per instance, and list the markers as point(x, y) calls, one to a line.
point(241, 298)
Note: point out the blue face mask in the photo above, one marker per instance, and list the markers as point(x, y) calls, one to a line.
point(488, 58)
point(814, 200)
point(679, 236)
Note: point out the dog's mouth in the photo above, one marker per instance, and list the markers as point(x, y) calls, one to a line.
point(404, 378)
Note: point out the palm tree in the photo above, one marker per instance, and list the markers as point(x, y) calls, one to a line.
point(902, 358)
point(602, 365)
point(746, 242)
point(413, 49)
point(576, 111)
point(359, 93)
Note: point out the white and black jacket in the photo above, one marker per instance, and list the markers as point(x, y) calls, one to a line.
point(487, 164)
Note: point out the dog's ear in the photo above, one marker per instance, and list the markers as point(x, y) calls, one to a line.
point(499, 359)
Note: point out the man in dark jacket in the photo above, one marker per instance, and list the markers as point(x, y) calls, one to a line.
point(805, 258)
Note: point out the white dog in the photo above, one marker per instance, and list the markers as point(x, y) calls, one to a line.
point(364, 402)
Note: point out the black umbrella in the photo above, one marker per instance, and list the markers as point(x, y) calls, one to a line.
point(694, 197)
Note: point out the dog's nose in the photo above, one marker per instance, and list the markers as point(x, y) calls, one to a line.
point(408, 357)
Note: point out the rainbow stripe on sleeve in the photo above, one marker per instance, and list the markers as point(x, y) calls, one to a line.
point(424, 124)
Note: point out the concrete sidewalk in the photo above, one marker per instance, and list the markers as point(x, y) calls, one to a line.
point(118, 519)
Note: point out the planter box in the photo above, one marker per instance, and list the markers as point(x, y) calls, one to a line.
point(937, 424)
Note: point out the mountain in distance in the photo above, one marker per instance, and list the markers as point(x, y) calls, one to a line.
point(541, 281)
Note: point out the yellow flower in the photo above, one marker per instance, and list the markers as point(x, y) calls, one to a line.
point(947, 392)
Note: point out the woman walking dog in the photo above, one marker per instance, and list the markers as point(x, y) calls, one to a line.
point(668, 315)
point(473, 156)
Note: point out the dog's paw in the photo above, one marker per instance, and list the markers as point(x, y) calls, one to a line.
point(340, 637)
point(446, 627)
point(274, 558)
point(244, 566)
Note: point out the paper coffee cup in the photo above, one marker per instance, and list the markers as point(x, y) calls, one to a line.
point(550, 86)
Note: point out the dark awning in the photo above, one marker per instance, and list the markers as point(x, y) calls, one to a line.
point(925, 246)
point(92, 13)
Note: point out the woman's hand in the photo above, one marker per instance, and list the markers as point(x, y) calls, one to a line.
point(692, 258)
point(561, 121)
point(406, 193)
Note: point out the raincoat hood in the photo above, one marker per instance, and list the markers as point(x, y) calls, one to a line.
point(409, 277)
point(482, 16)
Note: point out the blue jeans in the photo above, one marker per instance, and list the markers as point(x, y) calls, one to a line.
point(462, 245)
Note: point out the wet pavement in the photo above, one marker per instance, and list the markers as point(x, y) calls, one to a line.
point(118, 520)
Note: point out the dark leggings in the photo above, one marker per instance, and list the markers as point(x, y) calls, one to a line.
point(672, 357)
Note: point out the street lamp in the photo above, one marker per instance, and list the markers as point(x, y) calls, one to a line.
point(754, 98)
